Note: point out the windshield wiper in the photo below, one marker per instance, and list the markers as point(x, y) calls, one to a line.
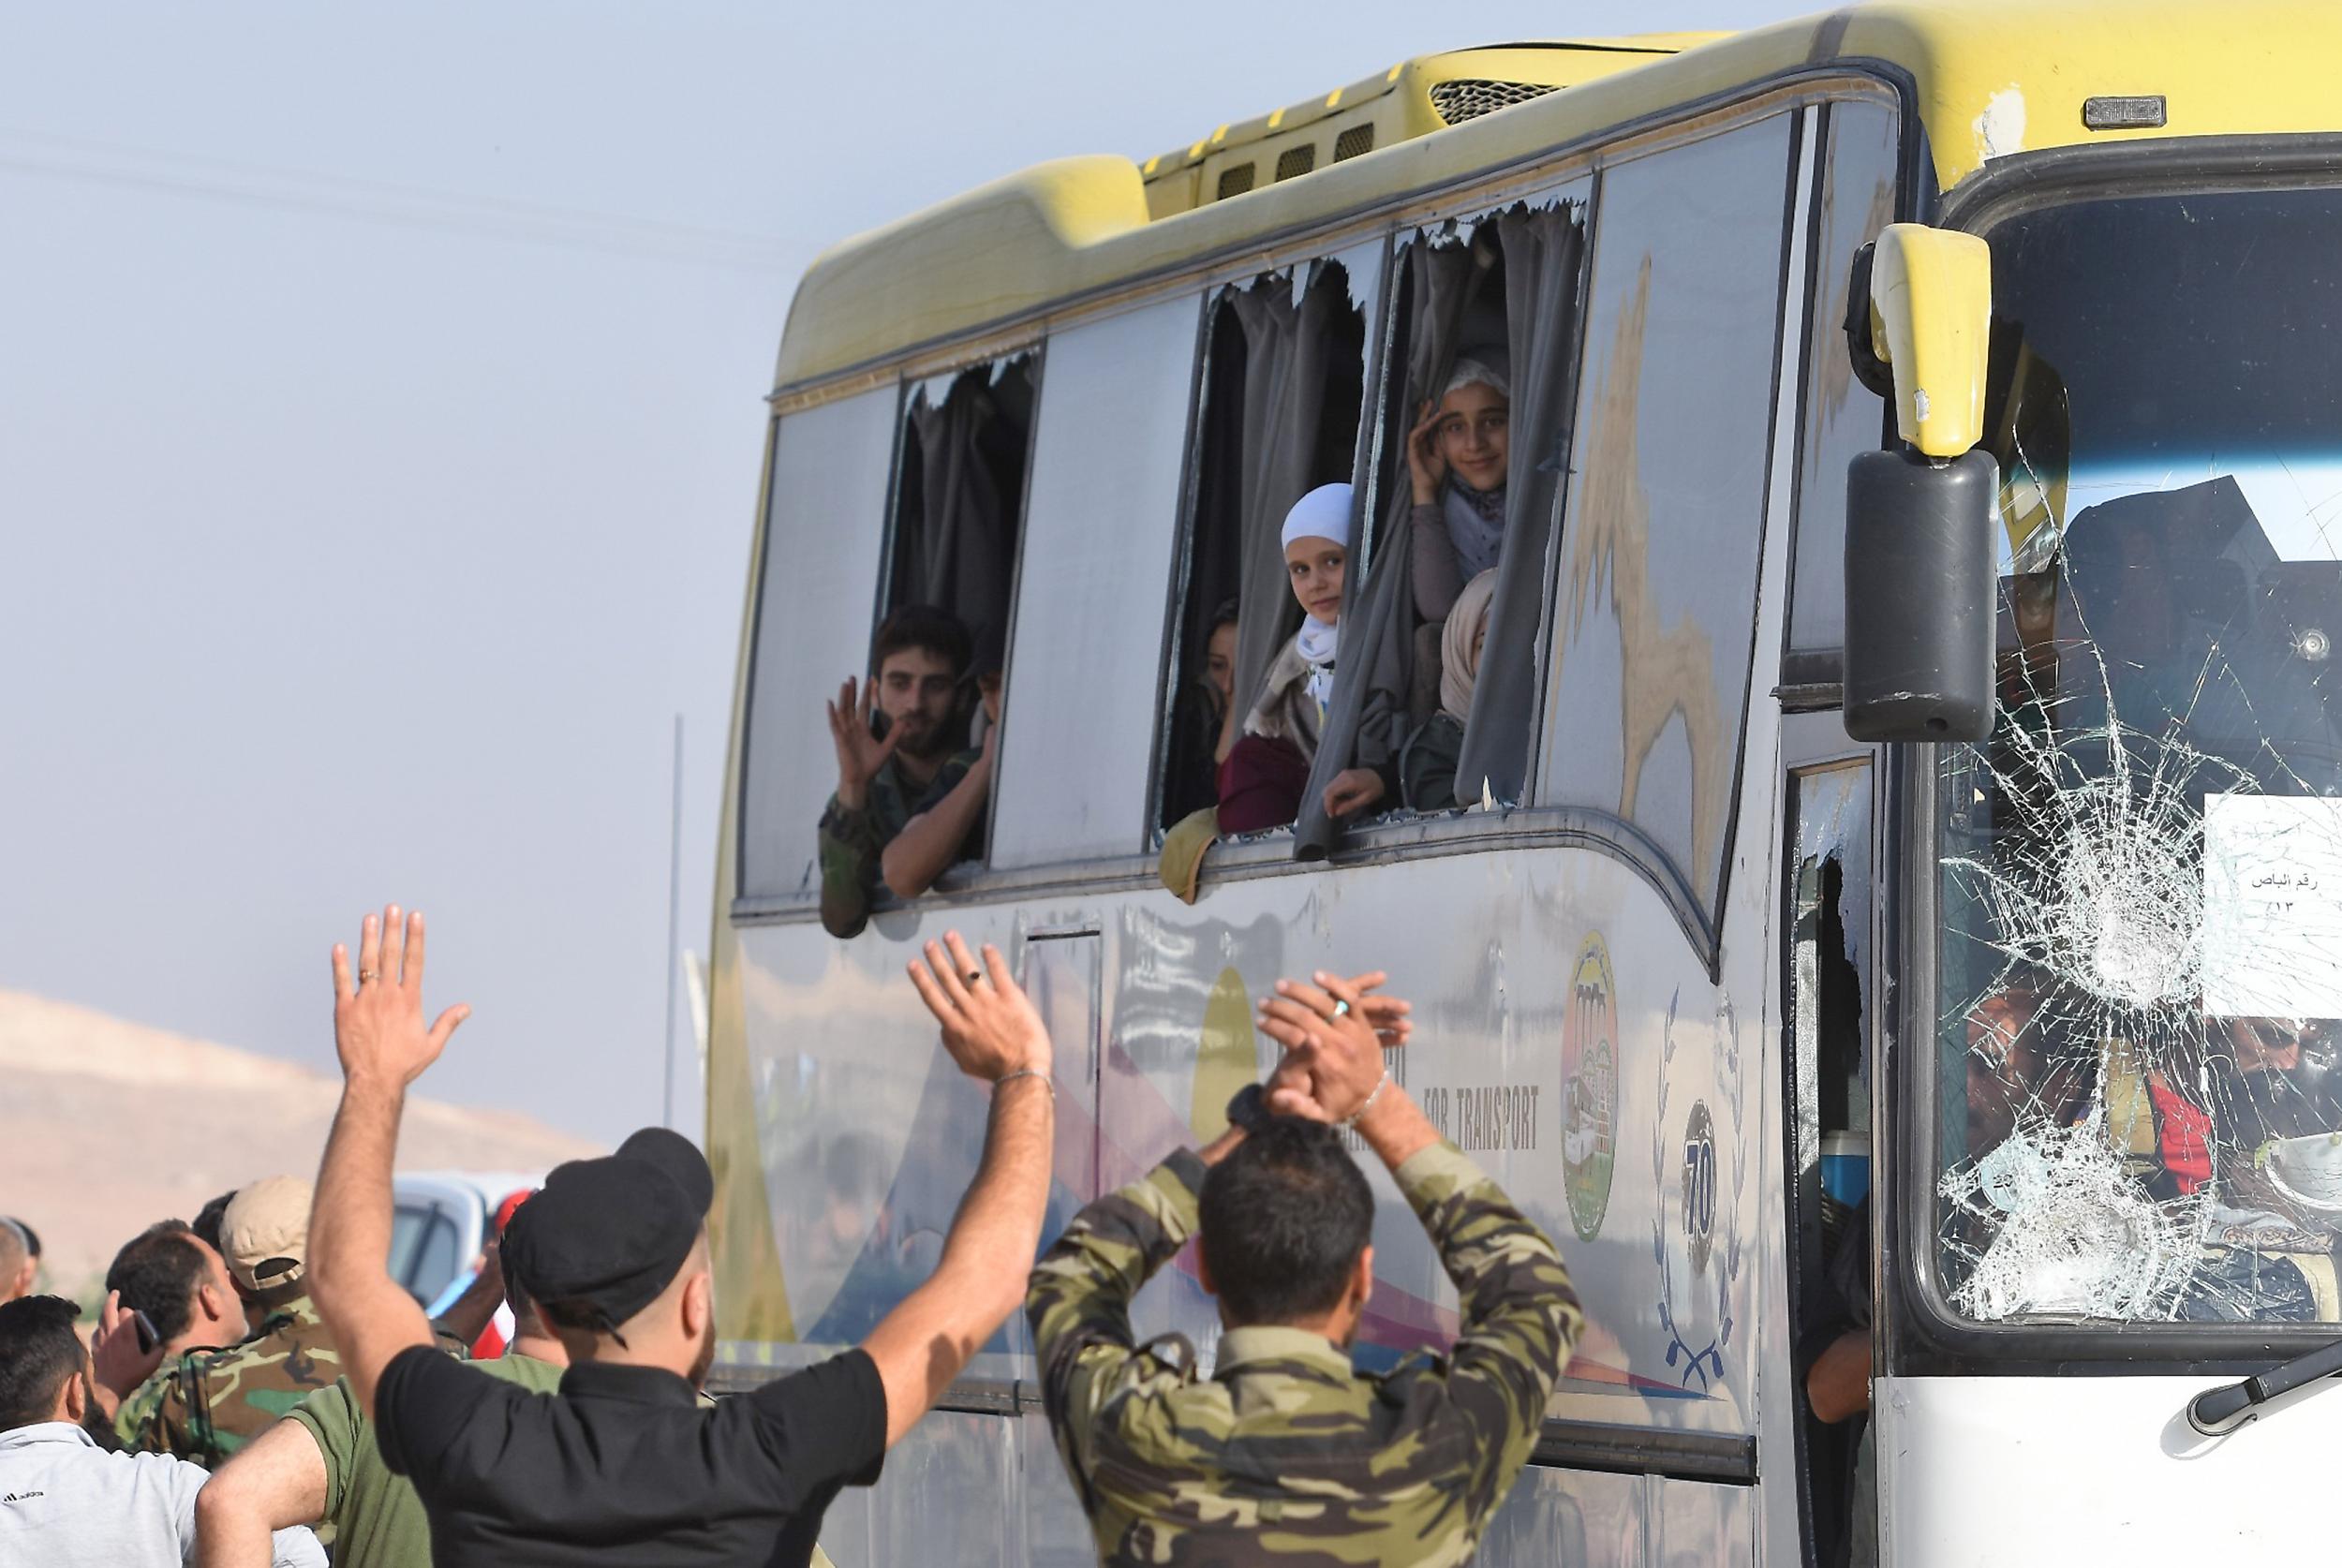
point(2217, 1412)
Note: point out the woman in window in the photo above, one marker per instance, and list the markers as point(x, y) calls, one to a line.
point(1456, 457)
point(1204, 723)
point(1262, 780)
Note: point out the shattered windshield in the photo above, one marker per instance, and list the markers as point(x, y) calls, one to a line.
point(2141, 873)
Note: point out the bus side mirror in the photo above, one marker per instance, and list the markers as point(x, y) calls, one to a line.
point(1920, 584)
point(1919, 597)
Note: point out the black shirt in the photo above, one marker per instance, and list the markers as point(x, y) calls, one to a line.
point(623, 1465)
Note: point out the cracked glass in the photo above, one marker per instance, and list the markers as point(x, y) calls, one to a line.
point(2141, 872)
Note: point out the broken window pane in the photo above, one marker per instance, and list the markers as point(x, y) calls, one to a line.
point(2141, 871)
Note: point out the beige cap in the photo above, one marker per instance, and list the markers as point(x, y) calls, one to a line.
point(265, 1232)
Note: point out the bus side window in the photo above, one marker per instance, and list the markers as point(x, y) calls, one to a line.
point(1475, 437)
point(959, 492)
point(1092, 587)
point(819, 563)
point(1283, 380)
point(1652, 636)
point(1843, 418)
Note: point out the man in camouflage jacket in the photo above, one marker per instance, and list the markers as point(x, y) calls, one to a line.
point(205, 1405)
point(1286, 1455)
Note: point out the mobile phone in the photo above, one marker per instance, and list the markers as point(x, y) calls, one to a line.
point(148, 1339)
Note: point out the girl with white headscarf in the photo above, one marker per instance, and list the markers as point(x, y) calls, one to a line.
point(1265, 773)
point(1455, 463)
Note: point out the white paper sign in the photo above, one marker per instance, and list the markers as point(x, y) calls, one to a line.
point(2272, 906)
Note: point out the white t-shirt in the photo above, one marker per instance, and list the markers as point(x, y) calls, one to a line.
point(65, 1502)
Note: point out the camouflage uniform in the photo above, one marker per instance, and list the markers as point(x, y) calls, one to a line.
point(207, 1404)
point(853, 841)
point(1287, 1456)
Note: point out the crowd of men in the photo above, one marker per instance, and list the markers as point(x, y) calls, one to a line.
point(257, 1390)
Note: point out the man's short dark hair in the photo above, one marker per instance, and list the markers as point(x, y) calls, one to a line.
point(213, 1215)
point(158, 1272)
point(1283, 1220)
point(928, 629)
point(38, 1352)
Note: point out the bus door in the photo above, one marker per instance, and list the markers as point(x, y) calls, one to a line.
point(1063, 971)
point(1829, 934)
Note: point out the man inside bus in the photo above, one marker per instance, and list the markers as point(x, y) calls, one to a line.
point(896, 739)
point(622, 1464)
point(948, 826)
point(1286, 1452)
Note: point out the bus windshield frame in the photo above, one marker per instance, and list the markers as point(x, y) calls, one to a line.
point(1937, 1322)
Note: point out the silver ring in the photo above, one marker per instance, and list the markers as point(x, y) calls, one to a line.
point(974, 975)
point(1340, 1008)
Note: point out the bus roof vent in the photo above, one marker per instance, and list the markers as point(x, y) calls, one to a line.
point(1470, 97)
point(1423, 97)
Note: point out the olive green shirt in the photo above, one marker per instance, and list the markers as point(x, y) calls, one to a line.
point(377, 1521)
point(1286, 1455)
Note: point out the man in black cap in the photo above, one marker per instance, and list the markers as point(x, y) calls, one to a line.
point(623, 1465)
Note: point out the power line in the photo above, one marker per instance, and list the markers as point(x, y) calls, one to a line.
point(380, 201)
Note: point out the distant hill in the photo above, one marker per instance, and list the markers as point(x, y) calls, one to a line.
point(106, 1126)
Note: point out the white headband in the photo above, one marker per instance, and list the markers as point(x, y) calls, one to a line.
point(1323, 513)
point(1469, 370)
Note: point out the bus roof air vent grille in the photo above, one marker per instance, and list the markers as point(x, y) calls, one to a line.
point(1469, 98)
point(1235, 182)
point(1357, 140)
point(1295, 161)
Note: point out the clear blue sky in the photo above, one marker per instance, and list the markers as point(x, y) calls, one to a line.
point(380, 430)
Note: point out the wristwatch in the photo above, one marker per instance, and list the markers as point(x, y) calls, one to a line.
point(1247, 1108)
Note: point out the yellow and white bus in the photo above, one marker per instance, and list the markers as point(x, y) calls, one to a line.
point(1900, 754)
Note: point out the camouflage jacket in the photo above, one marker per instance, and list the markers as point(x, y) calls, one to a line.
point(205, 1405)
point(853, 842)
point(1287, 1456)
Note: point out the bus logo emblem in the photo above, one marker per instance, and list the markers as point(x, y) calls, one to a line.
point(1590, 1088)
point(1700, 1185)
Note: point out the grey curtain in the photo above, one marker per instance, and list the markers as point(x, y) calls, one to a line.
point(1368, 718)
point(957, 547)
point(1288, 345)
point(1544, 253)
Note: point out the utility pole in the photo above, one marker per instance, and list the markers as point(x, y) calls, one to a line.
point(674, 912)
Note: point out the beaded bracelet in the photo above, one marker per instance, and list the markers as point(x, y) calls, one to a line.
point(1350, 1122)
point(1026, 1073)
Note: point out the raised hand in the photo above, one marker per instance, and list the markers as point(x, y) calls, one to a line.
point(860, 753)
point(990, 1027)
point(1426, 464)
point(1334, 1033)
point(379, 1030)
point(118, 1362)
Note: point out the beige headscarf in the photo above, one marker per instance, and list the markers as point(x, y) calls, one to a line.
point(1460, 645)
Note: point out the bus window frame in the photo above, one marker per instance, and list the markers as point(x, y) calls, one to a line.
point(1811, 680)
point(1216, 293)
point(967, 873)
point(1481, 193)
point(1925, 1337)
point(1579, 827)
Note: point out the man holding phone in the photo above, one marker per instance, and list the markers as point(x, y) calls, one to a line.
point(181, 1303)
point(896, 740)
